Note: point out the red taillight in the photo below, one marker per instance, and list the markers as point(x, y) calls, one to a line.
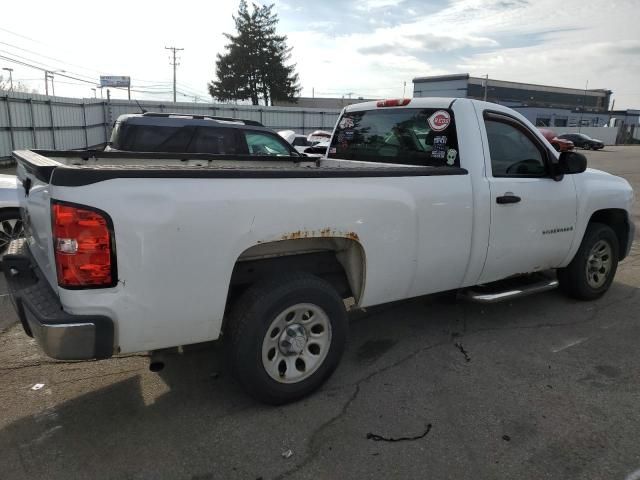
point(83, 245)
point(396, 102)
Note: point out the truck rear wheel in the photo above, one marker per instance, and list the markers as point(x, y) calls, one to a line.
point(591, 272)
point(10, 228)
point(286, 337)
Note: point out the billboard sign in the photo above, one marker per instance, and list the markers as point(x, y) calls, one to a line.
point(114, 81)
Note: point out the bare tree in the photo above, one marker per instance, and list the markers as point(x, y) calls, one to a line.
point(17, 86)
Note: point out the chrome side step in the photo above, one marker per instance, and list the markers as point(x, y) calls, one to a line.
point(481, 295)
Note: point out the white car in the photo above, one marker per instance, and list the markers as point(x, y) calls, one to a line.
point(298, 141)
point(10, 222)
point(415, 196)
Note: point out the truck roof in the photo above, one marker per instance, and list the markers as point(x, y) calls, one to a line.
point(419, 102)
point(182, 119)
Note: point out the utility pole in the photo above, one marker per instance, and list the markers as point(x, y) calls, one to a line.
point(49, 75)
point(486, 86)
point(95, 94)
point(404, 88)
point(10, 70)
point(174, 64)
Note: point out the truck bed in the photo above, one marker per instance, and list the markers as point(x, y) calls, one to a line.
point(83, 167)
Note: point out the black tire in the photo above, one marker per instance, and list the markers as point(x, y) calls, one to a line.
point(10, 228)
point(574, 279)
point(249, 323)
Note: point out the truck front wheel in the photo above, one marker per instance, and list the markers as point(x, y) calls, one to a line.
point(591, 272)
point(286, 337)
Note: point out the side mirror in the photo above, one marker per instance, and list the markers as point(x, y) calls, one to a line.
point(571, 162)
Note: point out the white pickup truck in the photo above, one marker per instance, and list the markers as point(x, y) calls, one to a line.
point(129, 252)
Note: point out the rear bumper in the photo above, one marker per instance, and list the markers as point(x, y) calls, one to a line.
point(60, 334)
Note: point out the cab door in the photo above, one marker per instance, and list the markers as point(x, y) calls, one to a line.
point(533, 216)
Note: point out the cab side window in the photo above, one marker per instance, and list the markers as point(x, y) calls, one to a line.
point(513, 153)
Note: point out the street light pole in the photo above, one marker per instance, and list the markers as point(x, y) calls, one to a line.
point(10, 70)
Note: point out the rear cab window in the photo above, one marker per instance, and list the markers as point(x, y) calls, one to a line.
point(409, 136)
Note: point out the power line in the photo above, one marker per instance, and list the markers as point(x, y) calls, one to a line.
point(63, 62)
point(190, 90)
point(46, 56)
point(174, 64)
point(22, 36)
point(45, 67)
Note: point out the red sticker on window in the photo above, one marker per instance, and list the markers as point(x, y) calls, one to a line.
point(440, 120)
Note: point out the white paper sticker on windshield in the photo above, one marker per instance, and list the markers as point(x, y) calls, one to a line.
point(346, 122)
point(439, 121)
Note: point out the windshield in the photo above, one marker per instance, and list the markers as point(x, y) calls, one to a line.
point(397, 135)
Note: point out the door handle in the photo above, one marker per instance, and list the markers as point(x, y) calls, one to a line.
point(508, 198)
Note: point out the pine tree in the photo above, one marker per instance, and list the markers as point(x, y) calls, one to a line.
point(254, 65)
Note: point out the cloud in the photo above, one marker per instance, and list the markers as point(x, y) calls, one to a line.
point(375, 4)
point(428, 42)
point(362, 46)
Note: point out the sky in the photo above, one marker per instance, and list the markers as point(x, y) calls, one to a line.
point(360, 48)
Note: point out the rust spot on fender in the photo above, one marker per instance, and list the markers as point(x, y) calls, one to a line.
point(353, 236)
point(295, 235)
point(322, 233)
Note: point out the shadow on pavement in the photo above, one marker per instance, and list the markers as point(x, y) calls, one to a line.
point(194, 421)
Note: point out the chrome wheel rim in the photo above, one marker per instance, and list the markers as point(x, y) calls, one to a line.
point(599, 264)
point(296, 343)
point(10, 229)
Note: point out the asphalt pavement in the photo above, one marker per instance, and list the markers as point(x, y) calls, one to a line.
point(536, 388)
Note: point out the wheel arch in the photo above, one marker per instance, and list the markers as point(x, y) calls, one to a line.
point(339, 260)
point(618, 220)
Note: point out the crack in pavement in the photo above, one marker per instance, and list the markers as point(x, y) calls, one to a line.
point(314, 435)
point(459, 346)
point(314, 450)
point(309, 458)
point(379, 438)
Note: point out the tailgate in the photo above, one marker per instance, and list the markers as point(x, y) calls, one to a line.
point(33, 172)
